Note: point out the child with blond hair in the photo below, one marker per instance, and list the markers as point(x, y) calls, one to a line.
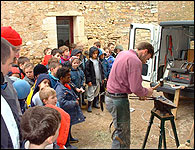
point(49, 99)
point(29, 76)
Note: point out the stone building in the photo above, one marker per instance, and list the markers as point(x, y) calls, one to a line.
point(43, 24)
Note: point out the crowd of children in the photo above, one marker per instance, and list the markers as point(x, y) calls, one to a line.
point(65, 80)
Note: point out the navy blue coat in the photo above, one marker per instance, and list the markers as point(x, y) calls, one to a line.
point(77, 77)
point(105, 66)
point(67, 101)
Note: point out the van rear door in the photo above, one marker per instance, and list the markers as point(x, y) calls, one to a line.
point(149, 33)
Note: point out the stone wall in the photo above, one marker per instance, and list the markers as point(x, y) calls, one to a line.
point(104, 21)
point(175, 10)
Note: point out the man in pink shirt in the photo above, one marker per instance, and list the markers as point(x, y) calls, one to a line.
point(126, 78)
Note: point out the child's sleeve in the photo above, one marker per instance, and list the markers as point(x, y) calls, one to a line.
point(82, 78)
point(87, 73)
point(65, 100)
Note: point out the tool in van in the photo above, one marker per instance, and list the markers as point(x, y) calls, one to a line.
point(182, 74)
point(169, 44)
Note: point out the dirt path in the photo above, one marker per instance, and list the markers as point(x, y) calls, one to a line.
point(94, 132)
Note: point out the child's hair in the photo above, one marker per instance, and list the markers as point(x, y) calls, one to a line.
point(110, 44)
point(52, 59)
point(63, 48)
point(92, 49)
point(62, 72)
point(98, 44)
point(45, 50)
point(38, 123)
point(28, 65)
point(53, 63)
point(46, 92)
point(15, 60)
point(55, 51)
point(73, 58)
point(22, 60)
point(72, 45)
point(105, 48)
point(38, 69)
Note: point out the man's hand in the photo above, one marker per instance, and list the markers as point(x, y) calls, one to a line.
point(143, 98)
point(150, 92)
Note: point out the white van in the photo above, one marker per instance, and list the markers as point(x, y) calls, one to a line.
point(173, 58)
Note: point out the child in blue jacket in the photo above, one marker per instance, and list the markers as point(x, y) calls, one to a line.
point(68, 100)
point(77, 76)
point(105, 66)
point(110, 59)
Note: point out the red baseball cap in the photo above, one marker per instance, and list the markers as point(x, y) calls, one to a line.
point(11, 36)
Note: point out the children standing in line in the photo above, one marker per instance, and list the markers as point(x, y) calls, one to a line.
point(110, 60)
point(43, 80)
point(28, 70)
point(47, 53)
point(111, 47)
point(40, 126)
point(97, 44)
point(68, 101)
point(105, 69)
point(49, 99)
point(53, 65)
point(71, 47)
point(21, 62)
point(94, 77)
point(38, 69)
point(65, 54)
point(104, 62)
point(77, 77)
point(56, 53)
point(82, 66)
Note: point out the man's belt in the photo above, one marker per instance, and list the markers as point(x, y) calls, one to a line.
point(117, 95)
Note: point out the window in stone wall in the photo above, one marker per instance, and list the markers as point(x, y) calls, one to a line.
point(64, 30)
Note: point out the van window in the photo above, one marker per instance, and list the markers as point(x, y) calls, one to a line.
point(140, 36)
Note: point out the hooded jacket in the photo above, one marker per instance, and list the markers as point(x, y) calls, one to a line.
point(75, 52)
point(67, 101)
point(90, 71)
point(39, 80)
